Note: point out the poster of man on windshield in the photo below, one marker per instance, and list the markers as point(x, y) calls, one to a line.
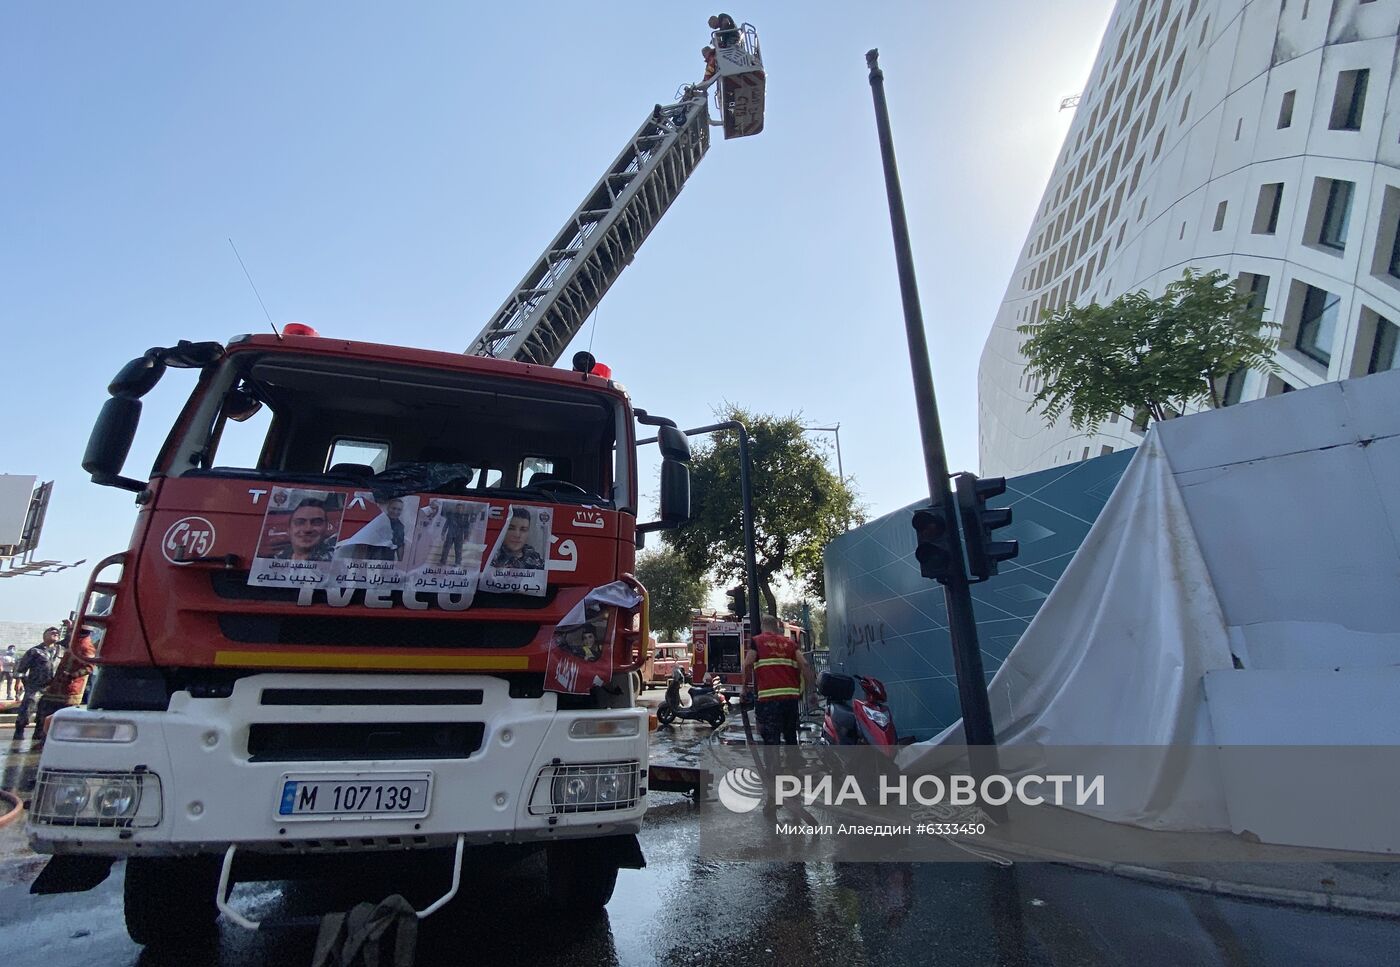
point(517, 563)
point(448, 544)
point(297, 544)
point(370, 553)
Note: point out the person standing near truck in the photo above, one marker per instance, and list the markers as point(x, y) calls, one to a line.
point(781, 676)
point(66, 687)
point(7, 672)
point(35, 670)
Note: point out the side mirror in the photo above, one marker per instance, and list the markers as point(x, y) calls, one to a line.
point(672, 444)
point(675, 492)
point(138, 377)
point(110, 442)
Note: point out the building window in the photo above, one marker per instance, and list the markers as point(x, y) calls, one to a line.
point(1349, 101)
point(1317, 325)
point(1266, 210)
point(1256, 287)
point(1185, 109)
point(1336, 216)
point(1394, 265)
point(1176, 73)
point(1383, 351)
point(1086, 454)
point(1234, 387)
point(1285, 109)
point(1105, 451)
point(1220, 216)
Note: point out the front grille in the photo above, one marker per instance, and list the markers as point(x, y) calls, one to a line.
point(371, 696)
point(404, 632)
point(234, 586)
point(350, 741)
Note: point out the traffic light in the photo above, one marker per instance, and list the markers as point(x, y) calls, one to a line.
point(738, 601)
point(936, 549)
point(978, 522)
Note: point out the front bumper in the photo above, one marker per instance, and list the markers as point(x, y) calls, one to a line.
point(195, 759)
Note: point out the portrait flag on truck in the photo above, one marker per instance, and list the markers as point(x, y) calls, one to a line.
point(581, 651)
point(297, 544)
point(517, 562)
point(449, 542)
point(371, 554)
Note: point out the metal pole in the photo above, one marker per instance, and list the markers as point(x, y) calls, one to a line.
point(746, 496)
point(962, 625)
point(836, 430)
point(840, 470)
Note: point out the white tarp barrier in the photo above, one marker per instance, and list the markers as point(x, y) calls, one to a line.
point(1241, 542)
point(1117, 653)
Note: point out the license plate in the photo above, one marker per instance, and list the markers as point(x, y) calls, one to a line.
point(361, 795)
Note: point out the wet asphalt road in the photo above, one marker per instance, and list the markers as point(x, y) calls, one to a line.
point(687, 910)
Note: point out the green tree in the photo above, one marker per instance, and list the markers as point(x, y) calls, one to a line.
point(674, 590)
point(1140, 353)
point(799, 505)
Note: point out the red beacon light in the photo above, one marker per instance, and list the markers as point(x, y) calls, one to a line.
point(298, 329)
point(602, 370)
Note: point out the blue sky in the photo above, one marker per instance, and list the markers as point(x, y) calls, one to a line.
point(388, 173)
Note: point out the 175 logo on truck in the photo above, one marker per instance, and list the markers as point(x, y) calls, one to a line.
point(188, 539)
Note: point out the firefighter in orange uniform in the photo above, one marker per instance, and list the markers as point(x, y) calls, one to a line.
point(781, 676)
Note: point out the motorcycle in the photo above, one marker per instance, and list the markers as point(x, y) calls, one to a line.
point(854, 721)
point(707, 702)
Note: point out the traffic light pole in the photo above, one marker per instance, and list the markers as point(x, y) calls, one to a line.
point(962, 625)
point(746, 496)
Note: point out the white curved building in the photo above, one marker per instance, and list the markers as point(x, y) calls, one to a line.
point(1255, 137)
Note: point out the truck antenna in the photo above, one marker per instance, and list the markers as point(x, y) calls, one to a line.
point(255, 289)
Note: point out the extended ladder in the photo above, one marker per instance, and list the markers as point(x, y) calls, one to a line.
point(600, 239)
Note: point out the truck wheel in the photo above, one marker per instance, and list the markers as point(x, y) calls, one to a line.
point(169, 901)
point(582, 874)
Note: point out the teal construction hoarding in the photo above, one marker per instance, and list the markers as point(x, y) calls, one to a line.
point(886, 620)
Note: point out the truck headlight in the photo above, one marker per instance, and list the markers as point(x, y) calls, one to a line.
point(68, 797)
point(117, 798)
point(111, 799)
point(586, 787)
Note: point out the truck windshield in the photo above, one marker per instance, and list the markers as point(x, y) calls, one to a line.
point(353, 421)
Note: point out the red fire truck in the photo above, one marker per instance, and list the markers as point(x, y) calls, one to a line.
point(719, 642)
point(377, 599)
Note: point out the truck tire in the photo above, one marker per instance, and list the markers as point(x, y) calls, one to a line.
point(582, 874)
point(170, 901)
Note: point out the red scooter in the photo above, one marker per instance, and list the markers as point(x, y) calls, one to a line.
point(854, 721)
